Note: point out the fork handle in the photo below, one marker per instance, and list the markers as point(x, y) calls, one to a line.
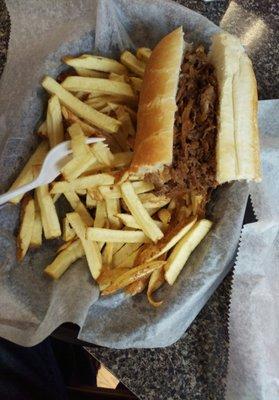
point(4, 198)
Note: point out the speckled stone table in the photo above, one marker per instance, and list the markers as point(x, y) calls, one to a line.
point(195, 367)
point(4, 34)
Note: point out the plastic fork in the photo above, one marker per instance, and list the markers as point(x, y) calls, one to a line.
point(54, 161)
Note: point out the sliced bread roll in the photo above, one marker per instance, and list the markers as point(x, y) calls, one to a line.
point(157, 105)
point(237, 148)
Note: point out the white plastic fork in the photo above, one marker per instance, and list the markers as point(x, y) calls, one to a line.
point(54, 161)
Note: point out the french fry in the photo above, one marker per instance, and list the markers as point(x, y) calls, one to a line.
point(26, 174)
point(123, 116)
point(122, 159)
point(96, 168)
point(132, 63)
point(26, 227)
point(79, 207)
point(116, 236)
point(81, 192)
point(64, 259)
point(55, 130)
point(113, 106)
point(114, 192)
point(171, 240)
point(165, 216)
point(156, 280)
point(78, 107)
point(99, 85)
point(117, 247)
point(121, 255)
point(81, 95)
point(107, 109)
point(101, 245)
point(141, 187)
point(102, 153)
point(90, 202)
point(91, 249)
point(87, 129)
point(135, 178)
point(152, 211)
point(96, 96)
point(107, 254)
point(95, 194)
point(36, 170)
point(184, 248)
point(88, 73)
point(150, 200)
point(113, 208)
point(101, 215)
point(96, 63)
point(132, 275)
point(129, 221)
point(115, 99)
point(55, 197)
point(143, 54)
point(108, 275)
point(126, 176)
point(129, 260)
point(50, 221)
point(36, 238)
point(97, 103)
point(68, 232)
point(84, 182)
point(117, 77)
point(140, 214)
point(110, 192)
point(42, 130)
point(136, 83)
point(65, 245)
point(136, 287)
point(82, 159)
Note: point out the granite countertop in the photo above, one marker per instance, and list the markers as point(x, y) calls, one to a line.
point(195, 366)
point(4, 34)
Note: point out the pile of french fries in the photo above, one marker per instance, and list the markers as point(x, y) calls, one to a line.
point(131, 237)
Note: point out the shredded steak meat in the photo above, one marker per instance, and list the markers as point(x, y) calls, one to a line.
point(194, 167)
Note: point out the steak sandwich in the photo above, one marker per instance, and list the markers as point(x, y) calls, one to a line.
point(197, 117)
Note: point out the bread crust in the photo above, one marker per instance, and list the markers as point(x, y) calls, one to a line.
point(157, 105)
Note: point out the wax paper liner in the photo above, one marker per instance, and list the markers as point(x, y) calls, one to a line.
point(264, 196)
point(254, 319)
point(31, 306)
point(253, 323)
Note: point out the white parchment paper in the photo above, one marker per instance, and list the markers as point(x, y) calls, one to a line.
point(31, 306)
point(265, 197)
point(253, 370)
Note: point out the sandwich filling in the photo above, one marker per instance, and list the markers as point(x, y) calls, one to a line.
point(193, 169)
